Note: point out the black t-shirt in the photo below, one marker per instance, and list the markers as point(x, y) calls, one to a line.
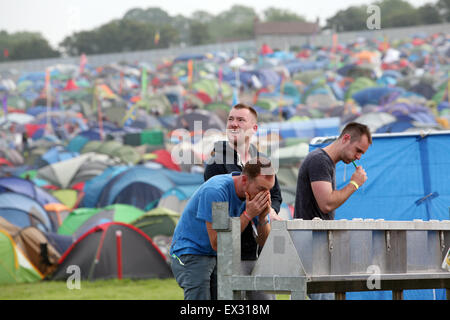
point(317, 166)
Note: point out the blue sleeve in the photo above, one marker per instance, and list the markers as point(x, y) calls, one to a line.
point(206, 198)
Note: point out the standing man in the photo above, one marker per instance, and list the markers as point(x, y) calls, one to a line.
point(230, 156)
point(316, 194)
point(194, 243)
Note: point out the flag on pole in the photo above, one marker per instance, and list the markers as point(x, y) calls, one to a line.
point(48, 96)
point(157, 36)
point(5, 105)
point(83, 62)
point(190, 67)
point(144, 83)
point(219, 93)
point(235, 96)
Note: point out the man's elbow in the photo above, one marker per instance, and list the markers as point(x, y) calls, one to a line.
point(325, 208)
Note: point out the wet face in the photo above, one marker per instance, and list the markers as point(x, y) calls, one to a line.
point(353, 150)
point(241, 126)
point(260, 184)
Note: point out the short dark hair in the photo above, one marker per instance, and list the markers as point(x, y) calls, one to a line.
point(258, 166)
point(356, 131)
point(244, 106)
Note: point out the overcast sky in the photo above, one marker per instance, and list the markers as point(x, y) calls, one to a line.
point(56, 19)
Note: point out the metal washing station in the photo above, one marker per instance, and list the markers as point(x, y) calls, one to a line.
point(321, 256)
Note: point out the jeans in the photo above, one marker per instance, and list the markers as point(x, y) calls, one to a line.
point(197, 276)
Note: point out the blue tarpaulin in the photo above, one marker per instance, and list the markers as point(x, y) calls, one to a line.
point(408, 178)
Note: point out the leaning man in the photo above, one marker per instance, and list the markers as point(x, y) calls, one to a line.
point(194, 243)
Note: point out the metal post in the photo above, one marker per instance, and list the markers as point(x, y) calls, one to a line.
point(339, 296)
point(397, 294)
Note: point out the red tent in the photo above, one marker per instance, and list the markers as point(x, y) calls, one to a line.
point(31, 128)
point(265, 49)
point(206, 99)
point(165, 158)
point(4, 162)
point(70, 85)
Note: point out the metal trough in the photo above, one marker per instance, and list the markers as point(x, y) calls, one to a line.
point(319, 256)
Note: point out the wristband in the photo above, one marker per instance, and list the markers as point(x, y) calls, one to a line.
point(355, 184)
point(263, 223)
point(246, 215)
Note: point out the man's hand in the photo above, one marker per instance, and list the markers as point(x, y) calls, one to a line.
point(260, 204)
point(359, 176)
point(274, 216)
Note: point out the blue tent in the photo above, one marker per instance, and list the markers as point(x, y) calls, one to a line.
point(28, 188)
point(407, 179)
point(302, 129)
point(23, 211)
point(92, 188)
point(375, 95)
point(142, 187)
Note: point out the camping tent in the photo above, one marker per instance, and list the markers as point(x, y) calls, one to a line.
point(14, 265)
point(28, 188)
point(23, 211)
point(116, 212)
point(96, 253)
point(158, 221)
point(35, 245)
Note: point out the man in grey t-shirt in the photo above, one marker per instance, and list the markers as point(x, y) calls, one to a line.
point(316, 194)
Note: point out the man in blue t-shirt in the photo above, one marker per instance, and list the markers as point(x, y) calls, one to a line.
point(194, 243)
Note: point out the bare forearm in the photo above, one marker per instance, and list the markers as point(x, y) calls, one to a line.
point(263, 233)
point(337, 198)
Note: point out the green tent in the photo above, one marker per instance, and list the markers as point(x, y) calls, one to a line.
point(308, 76)
point(91, 146)
point(211, 87)
point(14, 265)
point(440, 94)
point(113, 148)
point(266, 103)
point(127, 154)
point(358, 85)
point(218, 106)
point(158, 221)
point(121, 213)
point(67, 196)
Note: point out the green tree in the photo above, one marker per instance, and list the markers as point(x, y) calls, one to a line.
point(350, 19)
point(429, 14)
point(443, 7)
point(25, 45)
point(153, 15)
point(398, 13)
point(199, 33)
point(119, 36)
point(235, 23)
point(275, 14)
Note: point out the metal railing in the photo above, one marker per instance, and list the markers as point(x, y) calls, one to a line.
point(301, 257)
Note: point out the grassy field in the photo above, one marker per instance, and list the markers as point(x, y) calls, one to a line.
point(154, 289)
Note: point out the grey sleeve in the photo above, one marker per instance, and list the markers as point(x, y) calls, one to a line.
point(319, 170)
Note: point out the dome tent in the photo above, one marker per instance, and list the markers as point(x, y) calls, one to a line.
point(96, 254)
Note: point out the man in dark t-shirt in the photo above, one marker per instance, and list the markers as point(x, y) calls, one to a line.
point(316, 194)
point(317, 166)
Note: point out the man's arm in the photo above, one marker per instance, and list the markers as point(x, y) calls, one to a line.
point(212, 235)
point(327, 199)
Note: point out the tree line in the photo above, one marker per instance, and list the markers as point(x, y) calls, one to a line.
point(144, 29)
